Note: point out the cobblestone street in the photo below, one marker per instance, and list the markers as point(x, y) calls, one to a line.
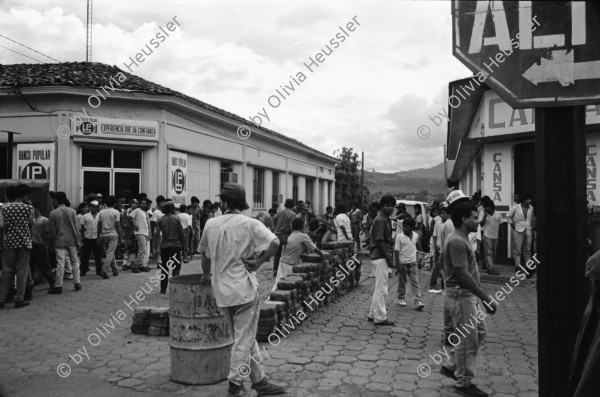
point(334, 352)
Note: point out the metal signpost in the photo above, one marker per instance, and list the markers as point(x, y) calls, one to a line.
point(545, 55)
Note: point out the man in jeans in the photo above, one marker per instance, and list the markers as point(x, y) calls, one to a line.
point(16, 217)
point(64, 237)
point(283, 228)
point(437, 243)
point(141, 230)
point(381, 247)
point(520, 217)
point(109, 231)
point(460, 301)
point(233, 247)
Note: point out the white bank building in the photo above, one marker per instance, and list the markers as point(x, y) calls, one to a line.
point(91, 127)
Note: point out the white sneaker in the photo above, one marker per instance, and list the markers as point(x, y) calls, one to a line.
point(420, 305)
point(435, 291)
point(402, 302)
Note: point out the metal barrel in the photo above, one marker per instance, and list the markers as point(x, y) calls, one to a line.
point(201, 336)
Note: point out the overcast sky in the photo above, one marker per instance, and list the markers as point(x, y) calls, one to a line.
point(372, 93)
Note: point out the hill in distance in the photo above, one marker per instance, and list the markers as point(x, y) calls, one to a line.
point(412, 183)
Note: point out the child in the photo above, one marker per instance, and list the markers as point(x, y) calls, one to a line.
point(297, 243)
point(405, 254)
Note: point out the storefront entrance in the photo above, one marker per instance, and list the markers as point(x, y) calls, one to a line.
point(111, 171)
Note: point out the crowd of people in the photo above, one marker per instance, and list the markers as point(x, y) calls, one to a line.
point(60, 247)
point(461, 234)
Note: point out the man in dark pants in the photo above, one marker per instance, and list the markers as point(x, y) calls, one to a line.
point(172, 244)
point(39, 253)
point(15, 222)
point(89, 232)
point(283, 228)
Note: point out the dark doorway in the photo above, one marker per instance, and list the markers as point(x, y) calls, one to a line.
point(524, 169)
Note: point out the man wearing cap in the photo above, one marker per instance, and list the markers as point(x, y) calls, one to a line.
point(99, 199)
point(233, 247)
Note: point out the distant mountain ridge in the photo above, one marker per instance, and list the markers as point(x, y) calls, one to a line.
point(407, 182)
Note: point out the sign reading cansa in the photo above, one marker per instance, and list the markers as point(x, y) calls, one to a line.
point(103, 127)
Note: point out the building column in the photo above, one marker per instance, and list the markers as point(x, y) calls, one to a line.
point(248, 184)
point(289, 186)
point(316, 200)
point(302, 188)
point(332, 195)
point(268, 191)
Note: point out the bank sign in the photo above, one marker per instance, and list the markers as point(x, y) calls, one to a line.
point(36, 161)
point(107, 128)
point(178, 176)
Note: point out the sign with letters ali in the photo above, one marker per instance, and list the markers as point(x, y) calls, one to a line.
point(532, 53)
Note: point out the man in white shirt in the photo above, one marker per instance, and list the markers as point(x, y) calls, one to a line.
point(342, 224)
point(520, 217)
point(233, 247)
point(141, 230)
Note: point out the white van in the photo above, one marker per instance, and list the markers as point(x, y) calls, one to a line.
point(410, 209)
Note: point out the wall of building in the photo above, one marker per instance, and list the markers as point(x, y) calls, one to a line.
point(207, 141)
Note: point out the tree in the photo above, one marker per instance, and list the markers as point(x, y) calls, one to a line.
point(347, 179)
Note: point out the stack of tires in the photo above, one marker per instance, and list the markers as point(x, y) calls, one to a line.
point(271, 314)
point(315, 282)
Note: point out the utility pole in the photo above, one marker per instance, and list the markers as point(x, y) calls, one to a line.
point(88, 53)
point(362, 179)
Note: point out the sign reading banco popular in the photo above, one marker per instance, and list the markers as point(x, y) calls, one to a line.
point(104, 127)
point(36, 161)
point(178, 176)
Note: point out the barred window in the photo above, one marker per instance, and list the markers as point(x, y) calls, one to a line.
point(259, 188)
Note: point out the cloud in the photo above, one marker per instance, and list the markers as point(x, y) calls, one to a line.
point(372, 93)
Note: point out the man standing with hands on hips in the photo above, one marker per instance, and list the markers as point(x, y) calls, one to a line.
point(460, 301)
point(233, 247)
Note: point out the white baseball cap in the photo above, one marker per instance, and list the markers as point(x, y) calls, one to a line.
point(456, 196)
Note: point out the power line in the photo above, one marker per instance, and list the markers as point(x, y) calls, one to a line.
point(10, 49)
point(23, 45)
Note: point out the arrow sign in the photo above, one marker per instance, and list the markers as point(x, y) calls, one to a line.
point(562, 68)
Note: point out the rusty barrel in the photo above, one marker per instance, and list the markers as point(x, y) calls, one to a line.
point(201, 337)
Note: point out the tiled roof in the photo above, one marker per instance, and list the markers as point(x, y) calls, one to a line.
point(96, 75)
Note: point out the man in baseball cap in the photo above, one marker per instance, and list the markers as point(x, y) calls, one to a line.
point(234, 192)
point(233, 247)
